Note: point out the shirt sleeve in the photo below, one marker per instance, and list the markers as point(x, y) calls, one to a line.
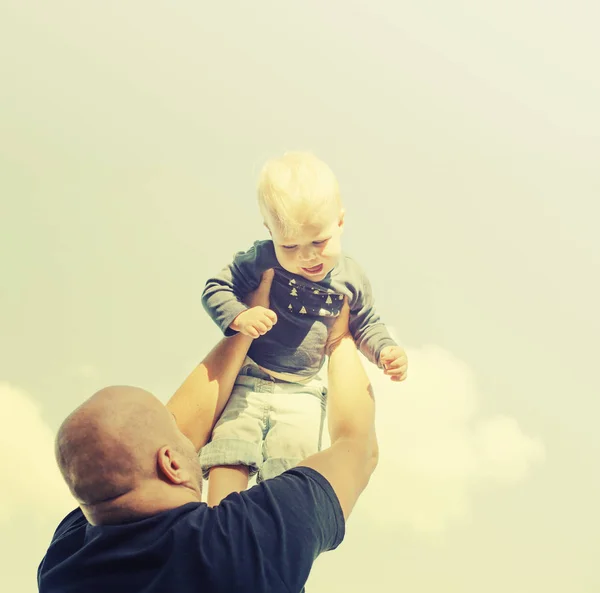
point(222, 293)
point(367, 329)
point(283, 524)
point(73, 520)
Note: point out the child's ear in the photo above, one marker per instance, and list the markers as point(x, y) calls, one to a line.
point(267, 227)
point(341, 221)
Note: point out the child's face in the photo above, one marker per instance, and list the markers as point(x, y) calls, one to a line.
point(312, 252)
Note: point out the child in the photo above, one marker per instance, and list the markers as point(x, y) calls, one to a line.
point(274, 417)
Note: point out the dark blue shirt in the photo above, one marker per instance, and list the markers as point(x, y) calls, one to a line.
point(264, 539)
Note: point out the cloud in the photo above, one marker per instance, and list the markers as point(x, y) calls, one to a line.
point(33, 497)
point(436, 451)
point(27, 446)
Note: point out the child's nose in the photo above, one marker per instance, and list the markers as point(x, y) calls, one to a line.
point(307, 253)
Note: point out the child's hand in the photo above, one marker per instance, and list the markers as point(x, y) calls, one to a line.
point(254, 322)
point(394, 361)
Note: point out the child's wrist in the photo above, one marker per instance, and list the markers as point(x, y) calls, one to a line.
point(235, 324)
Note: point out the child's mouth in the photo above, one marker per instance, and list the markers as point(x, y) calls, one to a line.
point(315, 270)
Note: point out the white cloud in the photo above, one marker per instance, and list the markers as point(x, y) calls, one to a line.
point(33, 497)
point(27, 448)
point(435, 450)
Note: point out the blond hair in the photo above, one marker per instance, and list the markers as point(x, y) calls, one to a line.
point(295, 189)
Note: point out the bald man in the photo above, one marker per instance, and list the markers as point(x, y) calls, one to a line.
point(131, 463)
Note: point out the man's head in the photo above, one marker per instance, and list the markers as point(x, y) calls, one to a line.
point(122, 456)
point(299, 198)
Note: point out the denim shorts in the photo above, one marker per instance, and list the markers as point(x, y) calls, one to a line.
point(268, 425)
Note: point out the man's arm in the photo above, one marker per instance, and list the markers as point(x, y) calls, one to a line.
point(289, 520)
point(198, 403)
point(352, 457)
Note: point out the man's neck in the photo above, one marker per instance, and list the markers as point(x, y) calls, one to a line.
point(150, 498)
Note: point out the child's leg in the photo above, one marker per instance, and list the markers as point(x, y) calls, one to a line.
point(223, 480)
point(235, 449)
point(296, 421)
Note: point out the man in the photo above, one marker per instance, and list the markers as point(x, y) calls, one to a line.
point(131, 464)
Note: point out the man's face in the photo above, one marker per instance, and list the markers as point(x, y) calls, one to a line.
point(311, 252)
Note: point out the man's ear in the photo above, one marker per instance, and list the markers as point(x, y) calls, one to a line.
point(169, 466)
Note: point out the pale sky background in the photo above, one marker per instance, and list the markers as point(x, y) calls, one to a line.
point(466, 138)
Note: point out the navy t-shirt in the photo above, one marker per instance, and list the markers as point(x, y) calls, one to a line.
point(263, 539)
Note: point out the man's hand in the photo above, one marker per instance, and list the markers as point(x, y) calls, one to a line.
point(394, 361)
point(259, 319)
point(261, 296)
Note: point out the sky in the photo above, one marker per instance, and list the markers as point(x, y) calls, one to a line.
point(466, 139)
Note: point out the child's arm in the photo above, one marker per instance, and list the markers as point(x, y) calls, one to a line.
point(223, 294)
point(367, 329)
point(371, 335)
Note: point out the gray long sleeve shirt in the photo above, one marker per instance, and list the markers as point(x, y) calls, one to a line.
point(305, 310)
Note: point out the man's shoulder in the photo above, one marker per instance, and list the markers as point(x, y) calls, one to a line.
point(308, 474)
point(73, 521)
point(168, 535)
point(303, 492)
point(300, 486)
point(302, 474)
point(76, 528)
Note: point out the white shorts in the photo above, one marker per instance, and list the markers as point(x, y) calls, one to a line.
point(267, 425)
